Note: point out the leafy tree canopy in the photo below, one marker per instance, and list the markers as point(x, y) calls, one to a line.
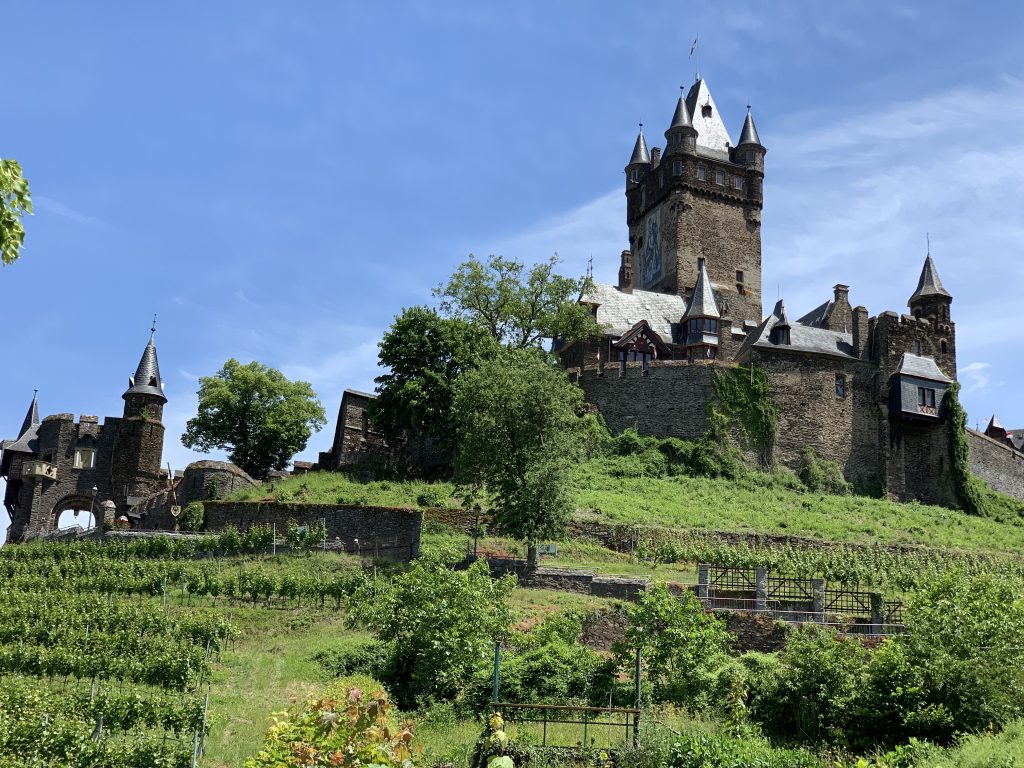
point(255, 414)
point(523, 427)
point(519, 307)
point(15, 202)
point(425, 354)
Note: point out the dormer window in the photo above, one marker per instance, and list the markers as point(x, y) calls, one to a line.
point(706, 110)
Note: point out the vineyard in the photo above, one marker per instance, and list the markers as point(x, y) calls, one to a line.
point(106, 652)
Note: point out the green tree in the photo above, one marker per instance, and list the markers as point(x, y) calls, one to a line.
point(15, 202)
point(519, 307)
point(523, 428)
point(680, 643)
point(255, 414)
point(442, 624)
point(425, 354)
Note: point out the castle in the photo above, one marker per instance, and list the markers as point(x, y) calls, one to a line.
point(111, 471)
point(867, 392)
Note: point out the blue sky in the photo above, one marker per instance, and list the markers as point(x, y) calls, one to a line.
point(276, 180)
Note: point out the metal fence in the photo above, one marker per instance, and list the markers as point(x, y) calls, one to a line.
point(592, 727)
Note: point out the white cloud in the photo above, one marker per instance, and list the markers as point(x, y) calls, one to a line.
point(975, 376)
point(49, 205)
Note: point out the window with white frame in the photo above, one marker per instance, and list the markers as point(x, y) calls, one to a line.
point(85, 458)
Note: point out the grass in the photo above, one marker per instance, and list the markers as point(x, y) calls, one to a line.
point(756, 503)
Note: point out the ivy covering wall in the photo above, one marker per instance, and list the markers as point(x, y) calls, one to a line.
point(743, 402)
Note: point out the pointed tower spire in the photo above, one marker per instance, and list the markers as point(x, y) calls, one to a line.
point(702, 302)
point(32, 417)
point(640, 156)
point(681, 136)
point(749, 133)
point(681, 117)
point(146, 380)
point(929, 284)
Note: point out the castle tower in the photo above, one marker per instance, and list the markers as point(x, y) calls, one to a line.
point(138, 452)
point(931, 304)
point(702, 201)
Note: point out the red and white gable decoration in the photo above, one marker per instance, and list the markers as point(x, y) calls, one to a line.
point(643, 339)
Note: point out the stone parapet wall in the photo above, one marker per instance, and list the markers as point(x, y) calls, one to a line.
point(391, 532)
point(997, 464)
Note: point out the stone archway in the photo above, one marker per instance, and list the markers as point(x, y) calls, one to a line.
point(75, 510)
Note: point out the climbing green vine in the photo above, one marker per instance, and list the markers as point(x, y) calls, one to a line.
point(960, 454)
point(742, 400)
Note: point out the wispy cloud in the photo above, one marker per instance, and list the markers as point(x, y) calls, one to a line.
point(46, 204)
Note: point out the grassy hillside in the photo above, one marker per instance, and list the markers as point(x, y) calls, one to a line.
point(619, 492)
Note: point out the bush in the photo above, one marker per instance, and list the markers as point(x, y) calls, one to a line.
point(434, 496)
point(680, 644)
point(192, 517)
point(441, 623)
point(721, 751)
point(821, 476)
point(372, 659)
point(351, 725)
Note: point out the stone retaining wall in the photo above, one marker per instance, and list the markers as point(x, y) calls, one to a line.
point(391, 532)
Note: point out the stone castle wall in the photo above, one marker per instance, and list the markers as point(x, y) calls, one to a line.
point(668, 401)
point(391, 532)
point(998, 465)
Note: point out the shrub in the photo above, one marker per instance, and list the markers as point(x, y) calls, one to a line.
point(681, 645)
point(821, 476)
point(433, 496)
point(351, 725)
point(192, 517)
point(704, 750)
point(442, 625)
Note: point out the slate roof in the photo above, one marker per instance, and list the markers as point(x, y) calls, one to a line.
point(994, 423)
point(712, 137)
point(818, 316)
point(702, 303)
point(929, 284)
point(617, 311)
point(640, 153)
point(749, 133)
point(803, 338)
point(921, 367)
point(681, 117)
point(146, 380)
point(27, 440)
point(1016, 436)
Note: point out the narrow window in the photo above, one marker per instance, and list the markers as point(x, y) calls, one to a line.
point(85, 458)
point(634, 175)
point(365, 425)
point(702, 173)
point(677, 167)
point(643, 197)
point(917, 347)
point(737, 182)
point(926, 397)
point(720, 178)
point(840, 386)
point(740, 287)
point(943, 346)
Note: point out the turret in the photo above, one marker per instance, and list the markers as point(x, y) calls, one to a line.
point(146, 388)
point(701, 318)
point(135, 466)
point(930, 300)
point(749, 150)
point(639, 161)
point(681, 136)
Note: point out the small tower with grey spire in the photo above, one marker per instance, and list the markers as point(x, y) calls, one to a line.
point(139, 449)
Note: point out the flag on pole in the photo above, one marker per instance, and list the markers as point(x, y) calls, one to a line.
point(693, 47)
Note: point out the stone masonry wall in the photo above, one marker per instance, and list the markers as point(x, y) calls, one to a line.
point(998, 465)
point(390, 532)
point(844, 430)
point(669, 401)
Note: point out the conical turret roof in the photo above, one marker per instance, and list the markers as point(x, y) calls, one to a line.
point(681, 117)
point(702, 302)
point(26, 441)
point(929, 284)
point(640, 153)
point(749, 133)
point(146, 380)
point(780, 313)
point(994, 423)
